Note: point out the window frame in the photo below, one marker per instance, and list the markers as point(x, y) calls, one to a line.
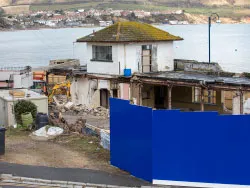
point(96, 51)
point(209, 96)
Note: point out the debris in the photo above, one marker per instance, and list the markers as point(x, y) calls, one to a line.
point(105, 139)
point(66, 126)
point(68, 105)
point(48, 131)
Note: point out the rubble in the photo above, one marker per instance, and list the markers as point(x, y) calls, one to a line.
point(69, 108)
point(62, 108)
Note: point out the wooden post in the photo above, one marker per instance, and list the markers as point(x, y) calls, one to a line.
point(170, 97)
point(241, 102)
point(202, 99)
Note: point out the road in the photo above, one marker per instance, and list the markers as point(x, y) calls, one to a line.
point(70, 174)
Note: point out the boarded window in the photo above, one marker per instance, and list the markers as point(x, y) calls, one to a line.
point(102, 53)
point(209, 96)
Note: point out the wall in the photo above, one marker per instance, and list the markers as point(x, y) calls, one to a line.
point(131, 150)
point(192, 65)
point(87, 91)
point(150, 101)
point(182, 99)
point(129, 56)
point(83, 90)
point(3, 117)
point(103, 67)
point(169, 147)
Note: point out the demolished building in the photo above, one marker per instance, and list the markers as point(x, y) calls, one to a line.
point(135, 61)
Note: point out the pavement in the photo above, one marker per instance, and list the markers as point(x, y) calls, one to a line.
point(70, 174)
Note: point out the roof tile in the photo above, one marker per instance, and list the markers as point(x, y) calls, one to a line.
point(129, 32)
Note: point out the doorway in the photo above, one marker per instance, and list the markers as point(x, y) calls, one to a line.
point(146, 58)
point(159, 92)
point(104, 98)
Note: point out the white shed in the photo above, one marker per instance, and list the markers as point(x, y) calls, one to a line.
point(7, 117)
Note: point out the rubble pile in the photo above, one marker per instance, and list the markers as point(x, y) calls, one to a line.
point(69, 108)
point(84, 110)
point(58, 120)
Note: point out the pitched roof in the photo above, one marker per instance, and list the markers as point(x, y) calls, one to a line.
point(129, 32)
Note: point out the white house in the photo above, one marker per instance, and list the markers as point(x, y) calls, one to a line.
point(117, 50)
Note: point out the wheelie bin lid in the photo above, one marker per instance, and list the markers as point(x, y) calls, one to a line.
point(2, 129)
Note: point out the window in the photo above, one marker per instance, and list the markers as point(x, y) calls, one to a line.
point(209, 96)
point(102, 53)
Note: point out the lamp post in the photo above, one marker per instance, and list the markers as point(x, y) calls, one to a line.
point(210, 18)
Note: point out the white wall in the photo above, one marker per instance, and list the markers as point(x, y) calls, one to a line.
point(83, 92)
point(129, 56)
point(103, 67)
point(165, 56)
point(87, 91)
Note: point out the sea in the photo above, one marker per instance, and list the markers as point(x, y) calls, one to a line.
point(230, 45)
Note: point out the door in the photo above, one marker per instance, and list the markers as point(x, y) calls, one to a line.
point(159, 96)
point(146, 60)
point(104, 98)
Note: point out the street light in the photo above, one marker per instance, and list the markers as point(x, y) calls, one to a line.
point(210, 18)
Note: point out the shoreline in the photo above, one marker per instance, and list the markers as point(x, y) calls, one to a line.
point(154, 24)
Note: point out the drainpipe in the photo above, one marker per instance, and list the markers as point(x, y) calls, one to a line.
point(125, 59)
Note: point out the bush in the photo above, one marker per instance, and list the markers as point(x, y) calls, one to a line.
point(23, 106)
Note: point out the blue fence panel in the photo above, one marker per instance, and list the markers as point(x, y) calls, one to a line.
point(131, 138)
point(201, 147)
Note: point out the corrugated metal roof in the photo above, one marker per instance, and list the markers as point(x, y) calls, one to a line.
point(197, 77)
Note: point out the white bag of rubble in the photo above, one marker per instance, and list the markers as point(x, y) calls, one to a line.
point(42, 132)
point(246, 106)
point(48, 132)
point(54, 131)
point(105, 140)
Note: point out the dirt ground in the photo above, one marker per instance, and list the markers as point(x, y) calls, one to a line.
point(67, 151)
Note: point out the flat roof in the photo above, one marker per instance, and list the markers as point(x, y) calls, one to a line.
point(4, 94)
point(197, 77)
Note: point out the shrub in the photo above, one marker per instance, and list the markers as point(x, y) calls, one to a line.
point(23, 106)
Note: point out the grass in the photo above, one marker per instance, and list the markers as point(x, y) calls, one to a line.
point(223, 12)
point(226, 11)
point(90, 145)
point(11, 132)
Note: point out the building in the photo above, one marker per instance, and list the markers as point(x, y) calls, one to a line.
point(124, 46)
point(16, 77)
point(7, 100)
point(135, 61)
